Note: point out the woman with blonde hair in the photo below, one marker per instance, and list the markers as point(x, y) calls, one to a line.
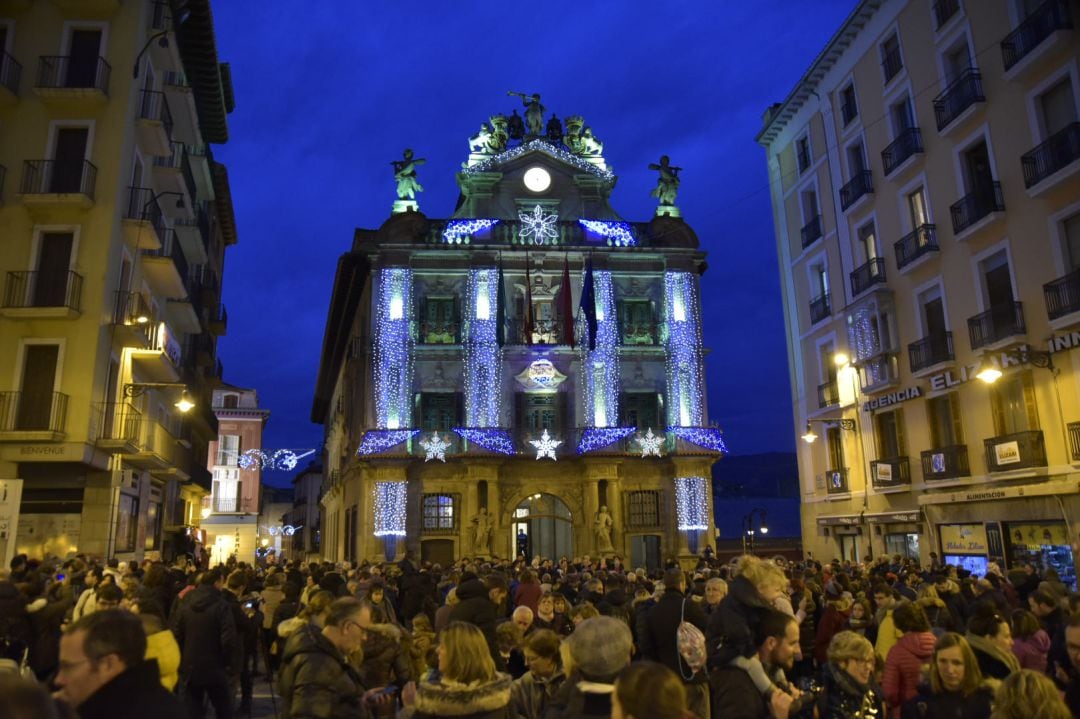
point(1029, 695)
point(957, 689)
point(466, 683)
point(848, 687)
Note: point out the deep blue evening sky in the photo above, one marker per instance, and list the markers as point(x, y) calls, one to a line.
point(328, 93)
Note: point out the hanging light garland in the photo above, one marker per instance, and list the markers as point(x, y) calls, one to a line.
point(684, 356)
point(458, 232)
point(492, 439)
point(691, 503)
point(617, 234)
point(389, 504)
point(377, 441)
point(594, 438)
point(393, 348)
point(707, 437)
point(599, 374)
point(483, 356)
point(548, 149)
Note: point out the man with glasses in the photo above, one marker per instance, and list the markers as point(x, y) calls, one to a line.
point(102, 671)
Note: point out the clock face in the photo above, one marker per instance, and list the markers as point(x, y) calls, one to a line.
point(537, 179)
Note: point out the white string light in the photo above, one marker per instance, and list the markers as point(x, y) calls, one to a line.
point(389, 505)
point(691, 503)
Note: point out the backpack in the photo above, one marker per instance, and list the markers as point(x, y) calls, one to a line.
point(691, 644)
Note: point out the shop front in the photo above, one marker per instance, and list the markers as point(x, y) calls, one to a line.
point(899, 533)
point(846, 530)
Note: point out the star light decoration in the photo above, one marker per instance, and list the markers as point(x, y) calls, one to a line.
point(545, 446)
point(539, 225)
point(617, 234)
point(458, 231)
point(650, 444)
point(435, 447)
point(707, 437)
point(376, 441)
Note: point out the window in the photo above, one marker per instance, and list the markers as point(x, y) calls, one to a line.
point(856, 160)
point(637, 322)
point(956, 61)
point(802, 153)
point(849, 108)
point(932, 311)
point(891, 60)
point(819, 278)
point(439, 320)
point(903, 117)
point(231, 401)
point(809, 204)
point(39, 406)
point(834, 442)
point(643, 509)
point(978, 174)
point(641, 410)
point(228, 450)
point(84, 49)
point(68, 160)
point(1012, 400)
point(889, 431)
point(440, 411)
point(997, 283)
point(943, 414)
point(127, 523)
point(439, 514)
point(1070, 230)
point(540, 411)
point(1057, 108)
point(916, 203)
point(868, 242)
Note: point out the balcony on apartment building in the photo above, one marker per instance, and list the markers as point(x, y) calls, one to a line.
point(1062, 295)
point(67, 79)
point(820, 308)
point(194, 233)
point(890, 472)
point(997, 324)
point(1057, 154)
point(133, 321)
point(10, 75)
point(960, 95)
point(159, 449)
point(861, 185)
point(154, 126)
point(1019, 450)
point(930, 351)
point(811, 232)
point(948, 462)
point(119, 427)
point(828, 395)
point(867, 275)
point(906, 145)
point(58, 183)
point(982, 203)
point(40, 294)
point(944, 10)
point(918, 243)
point(166, 268)
point(143, 221)
point(233, 505)
point(1074, 441)
point(1050, 17)
point(836, 481)
point(878, 372)
point(33, 416)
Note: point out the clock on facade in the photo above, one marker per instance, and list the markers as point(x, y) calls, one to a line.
point(537, 179)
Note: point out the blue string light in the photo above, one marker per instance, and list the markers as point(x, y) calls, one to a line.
point(393, 348)
point(600, 371)
point(684, 357)
point(548, 149)
point(594, 438)
point(376, 441)
point(483, 356)
point(459, 231)
point(707, 437)
point(389, 505)
point(691, 503)
point(490, 438)
point(616, 233)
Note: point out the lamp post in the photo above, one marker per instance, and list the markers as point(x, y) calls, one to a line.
point(162, 37)
point(749, 533)
point(184, 404)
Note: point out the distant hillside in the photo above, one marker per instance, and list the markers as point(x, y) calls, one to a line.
point(772, 474)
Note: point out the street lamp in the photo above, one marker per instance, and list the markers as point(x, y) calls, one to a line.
point(810, 435)
point(989, 372)
point(748, 528)
point(161, 37)
point(184, 404)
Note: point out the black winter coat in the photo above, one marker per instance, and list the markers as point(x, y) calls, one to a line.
point(844, 698)
point(657, 635)
point(734, 695)
point(948, 705)
point(134, 694)
point(732, 625)
point(207, 635)
point(476, 608)
point(16, 634)
point(317, 681)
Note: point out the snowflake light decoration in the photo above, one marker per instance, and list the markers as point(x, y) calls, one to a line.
point(435, 447)
point(539, 225)
point(545, 446)
point(284, 460)
point(650, 444)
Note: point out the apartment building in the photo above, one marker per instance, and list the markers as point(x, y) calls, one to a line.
point(115, 218)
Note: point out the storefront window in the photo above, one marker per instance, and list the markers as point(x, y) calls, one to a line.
point(906, 545)
point(127, 523)
point(1044, 545)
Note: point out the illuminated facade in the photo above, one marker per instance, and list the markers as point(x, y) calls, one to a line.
point(475, 404)
point(924, 188)
point(115, 218)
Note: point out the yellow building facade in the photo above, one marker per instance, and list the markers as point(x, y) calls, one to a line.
point(114, 220)
point(926, 200)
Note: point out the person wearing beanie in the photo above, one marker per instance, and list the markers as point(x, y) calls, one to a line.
point(592, 656)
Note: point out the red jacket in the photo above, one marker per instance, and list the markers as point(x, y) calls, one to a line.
point(832, 621)
point(1032, 651)
point(904, 668)
point(527, 594)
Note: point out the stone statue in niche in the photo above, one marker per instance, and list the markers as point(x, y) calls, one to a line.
point(667, 185)
point(482, 528)
point(405, 175)
point(534, 112)
point(602, 526)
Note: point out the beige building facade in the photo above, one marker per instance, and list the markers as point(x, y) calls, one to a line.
point(926, 199)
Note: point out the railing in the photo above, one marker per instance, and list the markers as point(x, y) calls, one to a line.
point(996, 324)
point(803, 156)
point(153, 106)
point(819, 308)
point(930, 351)
point(1051, 16)
point(1059, 150)
point(811, 231)
point(129, 307)
point(10, 72)
point(878, 370)
point(986, 199)
point(117, 421)
point(43, 289)
point(943, 12)
point(849, 111)
point(544, 332)
point(920, 241)
point(171, 248)
point(1062, 295)
point(961, 93)
point(568, 232)
point(868, 274)
point(892, 63)
point(48, 177)
point(890, 472)
point(143, 206)
point(33, 412)
point(1019, 450)
point(906, 144)
point(1074, 440)
point(861, 184)
point(644, 334)
point(828, 395)
point(232, 504)
point(836, 481)
point(56, 71)
point(201, 222)
point(439, 333)
point(945, 462)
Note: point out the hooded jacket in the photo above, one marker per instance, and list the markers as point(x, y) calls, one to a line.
point(475, 607)
point(386, 659)
point(1031, 651)
point(904, 668)
point(206, 633)
point(441, 698)
point(317, 680)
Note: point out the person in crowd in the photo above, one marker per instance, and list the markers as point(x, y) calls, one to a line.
point(467, 684)
point(16, 634)
point(385, 653)
point(534, 689)
point(833, 620)
point(904, 665)
point(21, 698)
point(247, 618)
point(528, 591)
point(1069, 673)
point(379, 597)
point(986, 598)
point(1031, 644)
point(272, 596)
point(548, 618)
point(593, 655)
point(508, 636)
point(949, 592)
point(734, 693)
point(580, 612)
point(885, 601)
point(658, 634)
point(861, 620)
point(421, 646)
point(442, 614)
point(161, 646)
point(206, 632)
point(46, 608)
point(848, 687)
point(1047, 607)
point(1029, 695)
point(649, 690)
point(478, 603)
point(715, 591)
point(102, 672)
point(523, 617)
point(956, 689)
point(991, 639)
point(934, 608)
point(86, 603)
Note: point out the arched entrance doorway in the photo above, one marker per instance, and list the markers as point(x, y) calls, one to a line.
point(542, 527)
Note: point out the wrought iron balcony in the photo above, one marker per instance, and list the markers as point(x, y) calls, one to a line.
point(226, 505)
point(828, 395)
point(1020, 450)
point(996, 324)
point(154, 106)
point(930, 351)
point(1051, 16)
point(961, 94)
point(1062, 295)
point(811, 231)
point(944, 11)
point(544, 332)
point(171, 248)
point(438, 333)
point(866, 275)
point(33, 412)
point(977, 205)
point(836, 481)
point(118, 425)
point(10, 73)
point(1059, 150)
point(915, 244)
point(906, 144)
point(878, 371)
point(58, 177)
point(890, 472)
point(1074, 440)
point(861, 184)
point(43, 290)
point(66, 72)
point(819, 308)
point(945, 462)
point(892, 63)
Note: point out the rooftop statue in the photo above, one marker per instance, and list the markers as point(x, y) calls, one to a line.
point(572, 139)
point(591, 144)
point(481, 141)
point(405, 175)
point(554, 130)
point(499, 133)
point(534, 112)
point(667, 186)
point(516, 126)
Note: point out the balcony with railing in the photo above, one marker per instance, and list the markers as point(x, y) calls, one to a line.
point(66, 79)
point(820, 308)
point(861, 185)
point(1058, 153)
point(892, 63)
point(867, 275)
point(144, 224)
point(155, 124)
point(983, 203)
point(438, 333)
point(640, 334)
point(10, 74)
point(957, 97)
point(890, 472)
point(930, 351)
point(544, 332)
point(997, 324)
point(1048, 18)
point(948, 462)
point(195, 232)
point(133, 320)
point(906, 145)
point(836, 481)
point(828, 395)
point(33, 416)
point(58, 183)
point(118, 427)
point(1020, 450)
point(879, 372)
point(1074, 441)
point(166, 268)
point(1062, 295)
point(233, 505)
point(43, 294)
point(920, 242)
point(944, 10)
point(811, 232)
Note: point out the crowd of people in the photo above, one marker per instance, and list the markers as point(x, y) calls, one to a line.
point(545, 639)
